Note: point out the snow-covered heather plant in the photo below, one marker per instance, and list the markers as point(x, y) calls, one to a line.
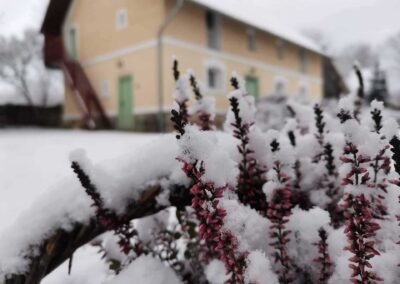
point(106, 217)
point(312, 202)
point(195, 251)
point(203, 107)
point(323, 259)
point(331, 187)
point(395, 143)
point(360, 226)
point(380, 163)
point(319, 124)
point(359, 98)
point(181, 94)
point(251, 171)
point(221, 244)
point(163, 242)
point(278, 188)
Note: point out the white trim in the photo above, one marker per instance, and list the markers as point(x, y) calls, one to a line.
point(120, 52)
point(137, 111)
point(239, 59)
point(114, 113)
point(217, 64)
point(206, 52)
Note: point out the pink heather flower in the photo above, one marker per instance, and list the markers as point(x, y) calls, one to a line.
point(221, 244)
point(323, 259)
point(360, 226)
point(279, 211)
point(251, 174)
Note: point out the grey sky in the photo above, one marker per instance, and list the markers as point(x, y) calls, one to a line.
point(343, 21)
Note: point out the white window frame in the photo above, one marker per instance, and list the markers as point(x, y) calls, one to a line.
point(303, 60)
point(303, 86)
point(280, 48)
point(251, 39)
point(220, 66)
point(67, 38)
point(280, 80)
point(105, 89)
point(119, 15)
point(216, 32)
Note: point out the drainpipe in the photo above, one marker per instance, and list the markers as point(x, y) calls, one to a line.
point(171, 15)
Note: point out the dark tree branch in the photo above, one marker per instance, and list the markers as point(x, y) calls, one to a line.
point(61, 245)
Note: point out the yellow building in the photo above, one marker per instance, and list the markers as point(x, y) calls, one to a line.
point(117, 55)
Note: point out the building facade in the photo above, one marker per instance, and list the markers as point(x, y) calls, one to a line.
point(125, 48)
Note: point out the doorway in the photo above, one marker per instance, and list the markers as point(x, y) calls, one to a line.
point(125, 103)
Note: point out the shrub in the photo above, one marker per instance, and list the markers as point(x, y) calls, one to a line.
point(311, 203)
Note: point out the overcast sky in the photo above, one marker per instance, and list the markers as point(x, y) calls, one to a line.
point(343, 21)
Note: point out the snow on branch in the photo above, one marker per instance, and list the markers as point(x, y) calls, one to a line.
point(133, 182)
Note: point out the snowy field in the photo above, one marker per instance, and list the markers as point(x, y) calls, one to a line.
point(34, 159)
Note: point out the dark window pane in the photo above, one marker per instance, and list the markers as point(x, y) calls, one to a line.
point(213, 27)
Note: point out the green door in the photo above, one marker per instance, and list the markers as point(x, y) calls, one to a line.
point(72, 40)
point(125, 95)
point(252, 86)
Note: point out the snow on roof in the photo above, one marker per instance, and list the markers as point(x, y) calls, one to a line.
point(252, 15)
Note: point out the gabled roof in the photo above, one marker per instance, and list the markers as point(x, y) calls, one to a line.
point(240, 10)
point(244, 11)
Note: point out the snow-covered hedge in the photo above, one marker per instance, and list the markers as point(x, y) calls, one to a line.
point(315, 202)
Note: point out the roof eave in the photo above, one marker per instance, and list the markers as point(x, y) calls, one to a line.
point(316, 50)
point(55, 15)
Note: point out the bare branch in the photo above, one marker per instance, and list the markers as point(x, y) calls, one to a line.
point(61, 245)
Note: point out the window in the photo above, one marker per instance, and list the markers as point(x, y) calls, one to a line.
point(303, 60)
point(72, 42)
point(214, 78)
point(252, 86)
point(121, 19)
point(214, 75)
point(279, 48)
point(104, 89)
point(302, 95)
point(213, 30)
point(251, 39)
point(279, 86)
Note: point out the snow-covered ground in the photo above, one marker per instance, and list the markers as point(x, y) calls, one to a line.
point(32, 160)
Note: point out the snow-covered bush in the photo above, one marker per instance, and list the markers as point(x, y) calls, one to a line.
point(313, 202)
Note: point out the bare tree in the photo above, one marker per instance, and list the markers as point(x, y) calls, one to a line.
point(18, 57)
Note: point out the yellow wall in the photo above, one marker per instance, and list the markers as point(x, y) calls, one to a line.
point(96, 23)
point(103, 52)
point(190, 26)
